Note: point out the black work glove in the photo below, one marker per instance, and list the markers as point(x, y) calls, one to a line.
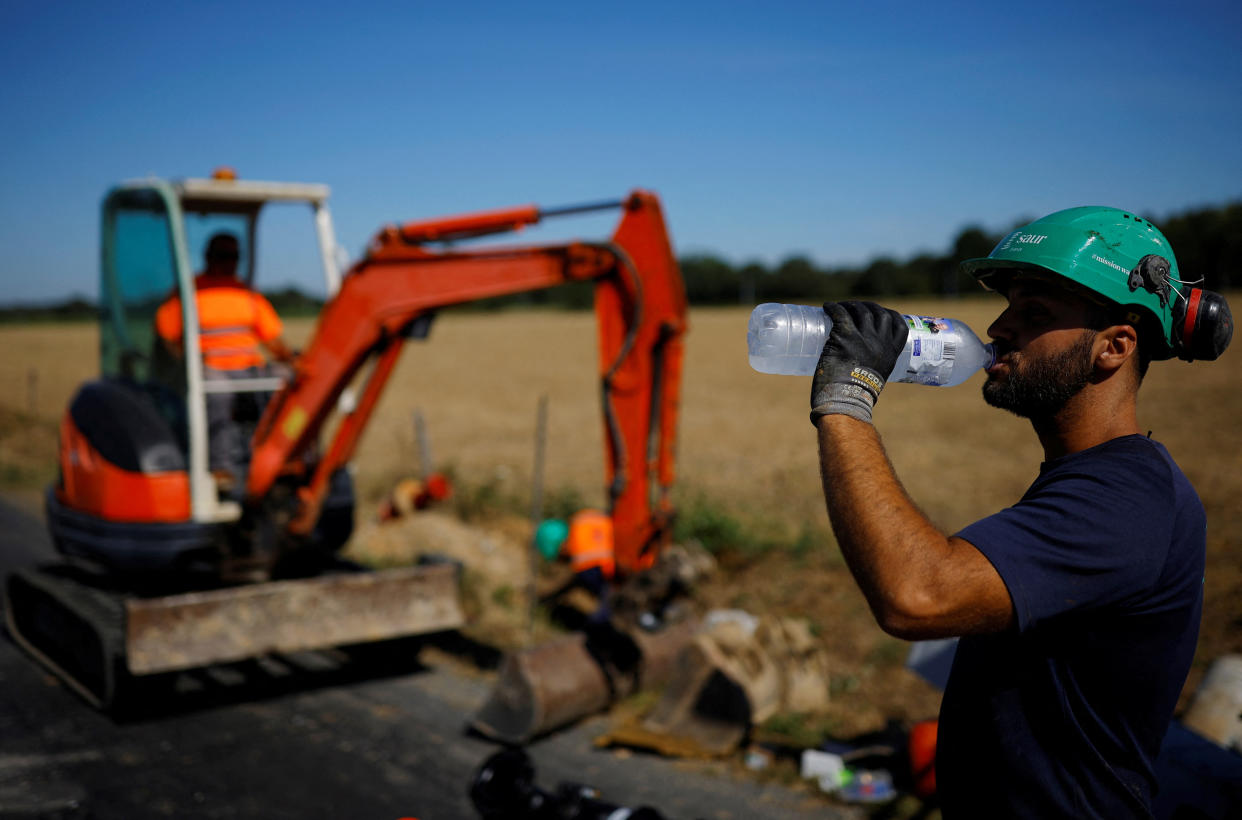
point(861, 351)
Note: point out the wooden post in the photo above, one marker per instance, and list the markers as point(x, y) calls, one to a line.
point(424, 447)
point(536, 503)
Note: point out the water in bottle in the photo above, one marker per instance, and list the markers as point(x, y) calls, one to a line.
point(788, 339)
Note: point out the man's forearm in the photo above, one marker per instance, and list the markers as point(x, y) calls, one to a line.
point(886, 540)
point(918, 582)
point(279, 350)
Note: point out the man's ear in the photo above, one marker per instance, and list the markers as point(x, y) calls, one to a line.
point(1120, 344)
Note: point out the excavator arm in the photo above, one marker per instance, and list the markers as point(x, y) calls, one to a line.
point(391, 295)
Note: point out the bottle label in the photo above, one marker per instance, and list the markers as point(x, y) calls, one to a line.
point(932, 350)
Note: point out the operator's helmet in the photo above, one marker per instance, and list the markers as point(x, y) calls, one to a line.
point(1112, 253)
point(549, 536)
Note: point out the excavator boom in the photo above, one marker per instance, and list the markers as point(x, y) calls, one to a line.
point(393, 293)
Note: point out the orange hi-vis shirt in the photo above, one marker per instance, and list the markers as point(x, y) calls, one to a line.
point(590, 542)
point(233, 321)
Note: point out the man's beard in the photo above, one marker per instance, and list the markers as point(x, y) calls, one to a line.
point(1039, 388)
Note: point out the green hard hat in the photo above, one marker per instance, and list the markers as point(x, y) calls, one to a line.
point(1117, 255)
point(549, 536)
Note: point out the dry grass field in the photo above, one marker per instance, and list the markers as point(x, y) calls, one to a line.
point(745, 448)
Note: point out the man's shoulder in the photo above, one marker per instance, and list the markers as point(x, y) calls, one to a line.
point(1133, 459)
point(1135, 474)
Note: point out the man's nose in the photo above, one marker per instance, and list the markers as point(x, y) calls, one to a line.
point(1000, 329)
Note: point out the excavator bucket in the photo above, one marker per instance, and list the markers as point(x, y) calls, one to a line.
point(711, 722)
point(544, 687)
point(94, 638)
point(705, 711)
point(730, 677)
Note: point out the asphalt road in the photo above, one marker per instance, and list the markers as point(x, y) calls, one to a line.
point(311, 737)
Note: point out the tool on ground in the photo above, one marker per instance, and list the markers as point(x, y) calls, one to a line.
point(504, 789)
point(413, 494)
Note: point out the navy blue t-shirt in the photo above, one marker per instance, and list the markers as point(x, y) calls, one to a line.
point(1063, 715)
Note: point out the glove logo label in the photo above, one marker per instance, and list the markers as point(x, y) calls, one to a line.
point(867, 378)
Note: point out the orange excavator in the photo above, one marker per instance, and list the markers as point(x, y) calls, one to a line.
point(162, 570)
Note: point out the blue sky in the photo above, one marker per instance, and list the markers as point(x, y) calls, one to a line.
point(838, 131)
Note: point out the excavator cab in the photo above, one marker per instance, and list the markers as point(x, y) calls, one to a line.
point(154, 233)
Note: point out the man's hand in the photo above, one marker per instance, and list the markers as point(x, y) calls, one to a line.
point(861, 351)
point(281, 351)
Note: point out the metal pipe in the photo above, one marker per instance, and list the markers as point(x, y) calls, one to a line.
point(567, 210)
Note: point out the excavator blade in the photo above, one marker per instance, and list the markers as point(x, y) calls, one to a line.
point(200, 628)
point(93, 638)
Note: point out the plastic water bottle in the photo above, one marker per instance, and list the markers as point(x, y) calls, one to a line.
point(787, 340)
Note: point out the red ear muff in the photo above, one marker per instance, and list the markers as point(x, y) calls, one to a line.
point(1203, 325)
point(1192, 313)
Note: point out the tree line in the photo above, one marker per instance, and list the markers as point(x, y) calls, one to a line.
point(1207, 241)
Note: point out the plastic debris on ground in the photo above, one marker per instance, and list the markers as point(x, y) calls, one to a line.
point(826, 768)
point(868, 787)
point(758, 758)
point(851, 785)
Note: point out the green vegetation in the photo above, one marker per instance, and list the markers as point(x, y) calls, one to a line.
point(1208, 241)
point(721, 531)
point(743, 535)
point(562, 502)
point(75, 309)
point(703, 520)
point(478, 500)
point(475, 501)
point(27, 450)
point(290, 302)
point(795, 730)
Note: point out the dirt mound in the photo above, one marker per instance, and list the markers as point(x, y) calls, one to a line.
point(495, 561)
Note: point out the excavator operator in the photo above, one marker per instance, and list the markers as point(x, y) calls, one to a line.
point(235, 325)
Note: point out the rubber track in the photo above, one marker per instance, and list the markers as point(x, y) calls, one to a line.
point(73, 628)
